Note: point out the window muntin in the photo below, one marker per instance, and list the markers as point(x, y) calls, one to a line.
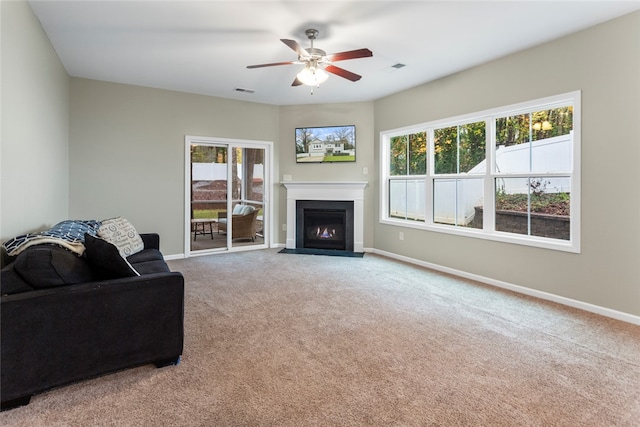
point(408, 154)
point(455, 200)
point(530, 150)
point(529, 200)
point(406, 199)
point(407, 169)
point(460, 148)
point(459, 151)
point(538, 141)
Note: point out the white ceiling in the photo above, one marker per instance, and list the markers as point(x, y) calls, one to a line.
point(204, 46)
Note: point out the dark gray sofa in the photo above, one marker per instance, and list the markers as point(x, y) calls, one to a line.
point(55, 332)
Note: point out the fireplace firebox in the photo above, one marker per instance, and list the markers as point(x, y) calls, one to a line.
point(324, 224)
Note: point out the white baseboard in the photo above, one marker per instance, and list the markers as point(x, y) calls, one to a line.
point(614, 314)
point(198, 253)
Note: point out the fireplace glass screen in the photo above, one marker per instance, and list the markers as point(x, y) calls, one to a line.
point(324, 229)
point(324, 225)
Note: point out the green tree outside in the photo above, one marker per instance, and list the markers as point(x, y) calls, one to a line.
point(408, 154)
point(537, 125)
point(458, 149)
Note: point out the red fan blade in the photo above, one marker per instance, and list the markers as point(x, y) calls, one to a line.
point(343, 73)
point(296, 82)
point(351, 54)
point(270, 65)
point(295, 46)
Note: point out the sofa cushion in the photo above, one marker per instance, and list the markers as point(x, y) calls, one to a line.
point(106, 259)
point(120, 232)
point(45, 266)
point(146, 255)
point(149, 267)
point(11, 282)
point(149, 261)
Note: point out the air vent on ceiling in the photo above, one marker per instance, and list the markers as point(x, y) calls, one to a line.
point(241, 89)
point(398, 65)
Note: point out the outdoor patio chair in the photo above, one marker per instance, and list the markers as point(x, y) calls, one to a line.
point(244, 222)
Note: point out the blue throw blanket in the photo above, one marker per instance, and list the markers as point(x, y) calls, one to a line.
point(68, 234)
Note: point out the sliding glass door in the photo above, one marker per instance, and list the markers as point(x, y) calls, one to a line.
point(226, 195)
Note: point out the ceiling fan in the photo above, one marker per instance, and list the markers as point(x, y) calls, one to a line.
point(317, 62)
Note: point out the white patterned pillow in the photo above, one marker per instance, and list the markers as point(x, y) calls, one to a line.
point(122, 234)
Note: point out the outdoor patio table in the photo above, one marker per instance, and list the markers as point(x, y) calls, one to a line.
point(199, 227)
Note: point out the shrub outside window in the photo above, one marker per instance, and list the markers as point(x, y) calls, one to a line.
point(508, 174)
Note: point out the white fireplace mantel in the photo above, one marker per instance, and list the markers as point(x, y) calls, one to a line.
point(326, 190)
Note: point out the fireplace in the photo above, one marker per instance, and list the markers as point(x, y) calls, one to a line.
point(327, 196)
point(326, 224)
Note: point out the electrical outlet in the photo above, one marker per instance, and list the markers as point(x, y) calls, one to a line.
point(284, 227)
point(401, 236)
point(365, 170)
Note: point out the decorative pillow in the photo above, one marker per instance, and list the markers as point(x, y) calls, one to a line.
point(122, 234)
point(68, 234)
point(46, 266)
point(242, 209)
point(106, 258)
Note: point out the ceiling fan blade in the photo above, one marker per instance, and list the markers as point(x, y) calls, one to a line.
point(343, 73)
point(295, 46)
point(271, 64)
point(296, 82)
point(350, 54)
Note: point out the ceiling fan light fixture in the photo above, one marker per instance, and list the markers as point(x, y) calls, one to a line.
point(312, 76)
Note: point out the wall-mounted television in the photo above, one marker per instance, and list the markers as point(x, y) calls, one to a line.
point(326, 144)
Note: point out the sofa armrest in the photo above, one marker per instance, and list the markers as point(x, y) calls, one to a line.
point(151, 240)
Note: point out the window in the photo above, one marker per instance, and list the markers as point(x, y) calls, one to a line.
point(407, 169)
point(459, 154)
point(508, 174)
point(533, 171)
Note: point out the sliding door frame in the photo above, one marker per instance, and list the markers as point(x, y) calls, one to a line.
point(231, 144)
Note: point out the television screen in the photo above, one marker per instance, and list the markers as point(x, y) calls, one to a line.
point(327, 144)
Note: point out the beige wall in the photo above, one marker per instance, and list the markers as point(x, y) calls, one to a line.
point(35, 126)
point(604, 63)
point(359, 114)
point(127, 150)
point(123, 152)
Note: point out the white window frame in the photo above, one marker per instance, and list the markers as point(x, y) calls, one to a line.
point(488, 232)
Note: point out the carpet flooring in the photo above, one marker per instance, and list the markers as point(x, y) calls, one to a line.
point(277, 339)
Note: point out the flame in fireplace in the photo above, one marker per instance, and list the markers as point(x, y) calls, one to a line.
point(325, 233)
